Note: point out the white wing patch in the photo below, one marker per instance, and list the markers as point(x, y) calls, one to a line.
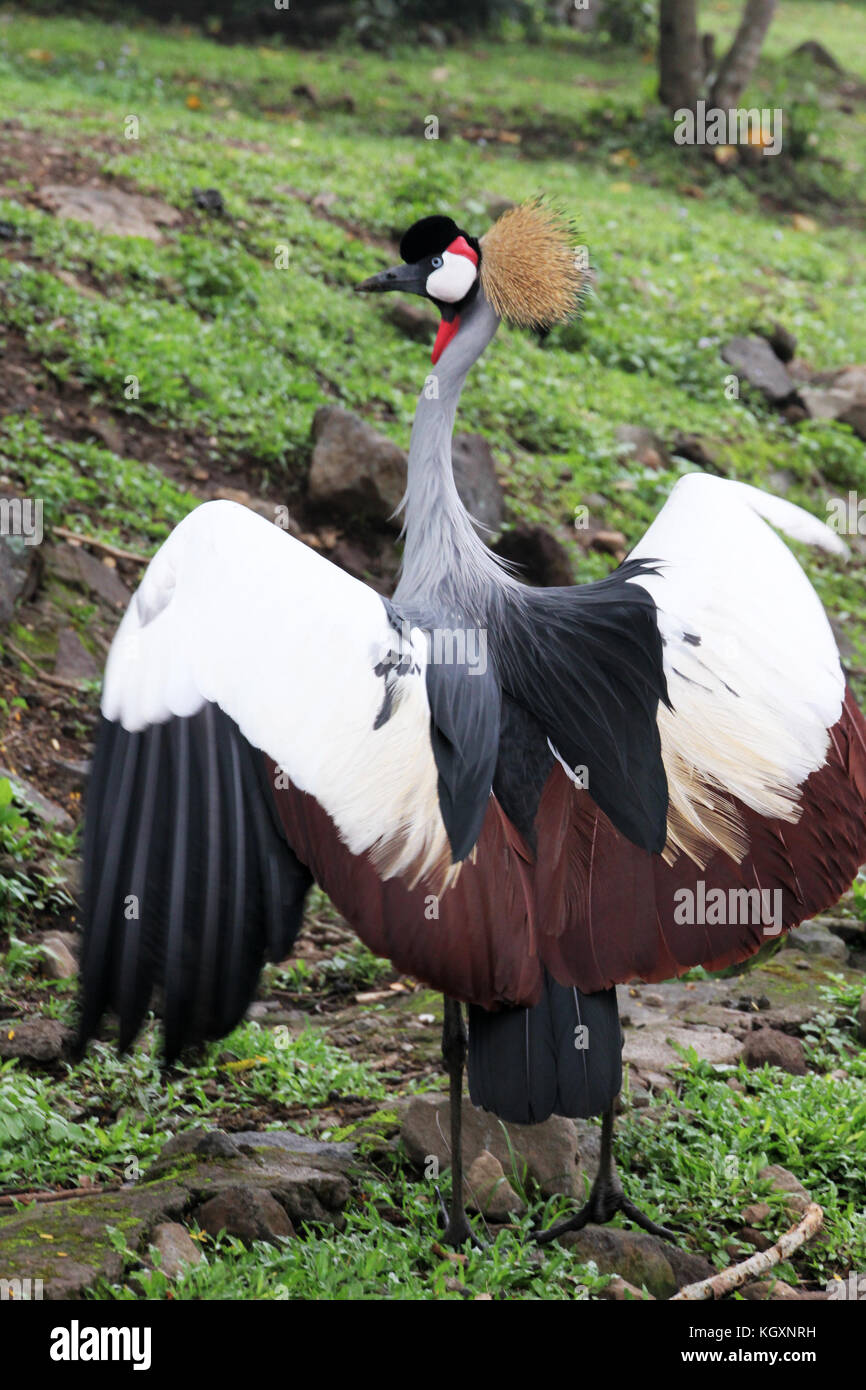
point(751, 663)
point(235, 611)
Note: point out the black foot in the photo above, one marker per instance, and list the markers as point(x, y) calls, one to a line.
point(605, 1200)
point(457, 1228)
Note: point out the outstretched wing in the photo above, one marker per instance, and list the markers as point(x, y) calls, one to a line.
point(764, 754)
point(242, 644)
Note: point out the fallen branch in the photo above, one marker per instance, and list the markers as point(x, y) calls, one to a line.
point(10, 1198)
point(39, 673)
point(114, 550)
point(737, 1275)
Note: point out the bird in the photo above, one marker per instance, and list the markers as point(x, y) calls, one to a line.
point(521, 796)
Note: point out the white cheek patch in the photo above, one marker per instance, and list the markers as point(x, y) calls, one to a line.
point(453, 279)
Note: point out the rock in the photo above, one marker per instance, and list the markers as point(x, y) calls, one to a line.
point(639, 1259)
point(110, 209)
point(177, 1250)
point(415, 320)
point(73, 661)
point(59, 962)
point(245, 1213)
point(810, 48)
point(834, 394)
point(696, 449)
point(641, 444)
point(769, 1047)
point(293, 1143)
point(758, 1239)
point(475, 477)
point(757, 1212)
point(309, 1188)
point(542, 560)
point(355, 471)
point(783, 1181)
point(649, 1049)
point(754, 359)
point(608, 542)
point(861, 1018)
point(769, 1290)
point(77, 566)
point(20, 566)
point(496, 204)
point(856, 418)
point(817, 940)
point(548, 1152)
point(620, 1291)
point(782, 341)
point(209, 200)
point(39, 805)
point(487, 1190)
point(34, 1040)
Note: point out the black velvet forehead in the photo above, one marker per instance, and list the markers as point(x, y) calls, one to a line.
point(429, 237)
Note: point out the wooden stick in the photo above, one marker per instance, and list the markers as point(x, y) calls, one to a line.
point(38, 672)
point(10, 1198)
point(733, 1278)
point(115, 550)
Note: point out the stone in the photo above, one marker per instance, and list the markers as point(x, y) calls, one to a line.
point(757, 1212)
point(758, 1239)
point(639, 1259)
point(77, 566)
point(110, 209)
point(769, 1047)
point(855, 416)
point(293, 1143)
point(477, 484)
point(608, 543)
point(798, 1199)
point(246, 1213)
point(549, 1153)
point(415, 320)
point(650, 1050)
point(641, 444)
point(621, 1291)
point(816, 939)
point(755, 360)
point(770, 1291)
point(19, 573)
point(73, 661)
point(34, 1039)
point(861, 1018)
point(696, 449)
point(355, 471)
point(782, 341)
point(487, 1190)
point(39, 805)
point(833, 394)
point(539, 556)
point(496, 204)
point(59, 959)
point(177, 1250)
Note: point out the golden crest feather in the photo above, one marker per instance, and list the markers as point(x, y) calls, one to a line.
point(530, 265)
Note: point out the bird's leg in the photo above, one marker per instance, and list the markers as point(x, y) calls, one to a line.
point(606, 1197)
point(457, 1229)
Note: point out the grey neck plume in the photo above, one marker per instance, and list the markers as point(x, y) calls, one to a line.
point(444, 560)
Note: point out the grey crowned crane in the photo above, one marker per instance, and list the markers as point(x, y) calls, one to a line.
point(558, 789)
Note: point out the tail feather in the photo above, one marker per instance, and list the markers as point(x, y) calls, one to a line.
point(561, 1057)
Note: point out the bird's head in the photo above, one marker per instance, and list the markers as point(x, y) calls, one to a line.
point(526, 267)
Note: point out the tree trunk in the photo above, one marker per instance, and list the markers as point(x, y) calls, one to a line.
point(739, 62)
point(679, 54)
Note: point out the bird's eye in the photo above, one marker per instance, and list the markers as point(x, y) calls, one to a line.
point(436, 262)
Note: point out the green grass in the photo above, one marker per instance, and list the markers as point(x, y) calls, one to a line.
point(239, 354)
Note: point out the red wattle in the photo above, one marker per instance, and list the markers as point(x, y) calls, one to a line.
point(443, 337)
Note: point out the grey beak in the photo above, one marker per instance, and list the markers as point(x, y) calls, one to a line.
point(411, 279)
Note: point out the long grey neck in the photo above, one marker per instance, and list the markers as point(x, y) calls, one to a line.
point(444, 560)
